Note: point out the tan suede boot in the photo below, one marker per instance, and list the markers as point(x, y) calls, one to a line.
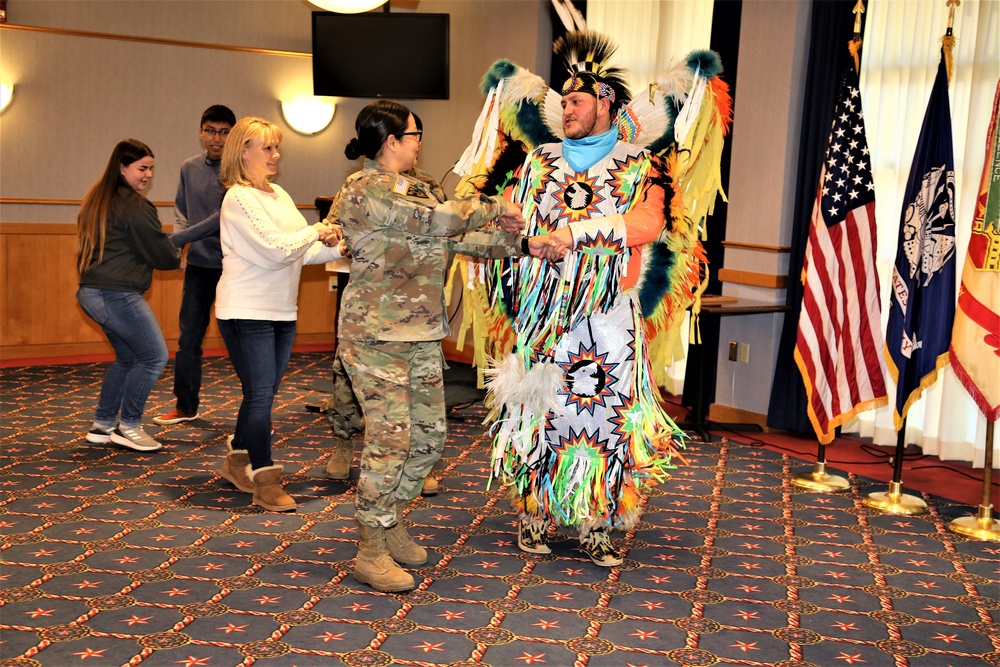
point(375, 567)
point(339, 465)
point(401, 546)
point(430, 487)
point(267, 490)
point(234, 467)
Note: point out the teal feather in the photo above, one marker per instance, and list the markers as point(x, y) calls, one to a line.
point(501, 69)
point(531, 123)
point(656, 282)
point(706, 62)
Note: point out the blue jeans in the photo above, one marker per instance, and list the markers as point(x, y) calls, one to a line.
point(140, 352)
point(259, 350)
point(196, 307)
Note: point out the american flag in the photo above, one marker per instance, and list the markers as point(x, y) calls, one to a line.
point(839, 345)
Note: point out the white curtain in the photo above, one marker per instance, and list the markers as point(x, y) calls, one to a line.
point(901, 54)
point(651, 35)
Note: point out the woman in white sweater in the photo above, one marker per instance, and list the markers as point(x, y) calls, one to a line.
point(265, 242)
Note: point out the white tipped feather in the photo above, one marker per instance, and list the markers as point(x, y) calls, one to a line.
point(552, 112)
point(651, 117)
point(689, 112)
point(483, 135)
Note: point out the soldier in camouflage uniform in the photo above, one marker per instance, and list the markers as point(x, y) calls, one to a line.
point(401, 235)
point(343, 411)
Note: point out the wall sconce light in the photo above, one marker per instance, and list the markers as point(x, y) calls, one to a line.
point(308, 115)
point(6, 93)
point(348, 6)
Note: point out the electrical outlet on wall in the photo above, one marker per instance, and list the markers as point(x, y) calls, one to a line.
point(744, 353)
point(332, 283)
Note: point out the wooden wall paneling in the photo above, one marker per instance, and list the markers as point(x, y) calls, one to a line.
point(39, 315)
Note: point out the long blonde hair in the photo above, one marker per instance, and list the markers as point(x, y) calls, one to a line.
point(232, 169)
point(92, 220)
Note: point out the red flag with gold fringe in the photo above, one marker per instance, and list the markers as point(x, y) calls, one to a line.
point(975, 338)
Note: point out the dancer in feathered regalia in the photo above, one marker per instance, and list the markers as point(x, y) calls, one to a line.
point(625, 186)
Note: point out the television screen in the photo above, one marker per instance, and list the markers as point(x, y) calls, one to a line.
point(392, 55)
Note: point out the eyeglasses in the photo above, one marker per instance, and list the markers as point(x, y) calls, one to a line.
point(211, 132)
point(419, 134)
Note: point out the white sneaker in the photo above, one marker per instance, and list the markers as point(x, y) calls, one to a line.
point(98, 436)
point(134, 438)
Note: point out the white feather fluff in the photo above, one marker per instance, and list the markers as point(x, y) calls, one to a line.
point(503, 379)
point(540, 389)
point(675, 81)
point(522, 86)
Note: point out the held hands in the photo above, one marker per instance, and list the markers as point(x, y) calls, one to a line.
point(552, 247)
point(329, 235)
point(546, 247)
point(511, 220)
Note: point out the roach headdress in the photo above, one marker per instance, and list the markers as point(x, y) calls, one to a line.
point(586, 54)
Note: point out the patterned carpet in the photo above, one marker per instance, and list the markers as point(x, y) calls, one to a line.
point(111, 557)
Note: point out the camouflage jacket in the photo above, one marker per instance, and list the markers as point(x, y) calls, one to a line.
point(402, 235)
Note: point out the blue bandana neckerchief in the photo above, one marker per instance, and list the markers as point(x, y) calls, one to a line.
point(582, 154)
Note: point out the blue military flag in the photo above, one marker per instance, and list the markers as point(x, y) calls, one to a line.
point(922, 298)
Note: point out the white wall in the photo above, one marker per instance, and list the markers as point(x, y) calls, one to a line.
point(77, 96)
point(766, 124)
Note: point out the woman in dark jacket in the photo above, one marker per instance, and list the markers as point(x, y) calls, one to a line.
point(120, 242)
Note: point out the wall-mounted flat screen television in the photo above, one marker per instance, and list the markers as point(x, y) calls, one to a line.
point(384, 54)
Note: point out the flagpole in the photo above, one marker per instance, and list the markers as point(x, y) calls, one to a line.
point(982, 526)
point(894, 501)
point(819, 479)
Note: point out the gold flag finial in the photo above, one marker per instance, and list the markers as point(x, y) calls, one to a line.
point(951, 12)
point(854, 46)
point(858, 10)
point(948, 41)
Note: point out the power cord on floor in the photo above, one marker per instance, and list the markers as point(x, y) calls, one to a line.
point(887, 458)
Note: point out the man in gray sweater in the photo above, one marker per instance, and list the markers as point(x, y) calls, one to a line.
point(196, 222)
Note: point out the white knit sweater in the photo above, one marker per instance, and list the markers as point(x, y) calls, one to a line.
point(265, 242)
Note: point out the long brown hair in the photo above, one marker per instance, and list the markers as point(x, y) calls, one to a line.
point(92, 221)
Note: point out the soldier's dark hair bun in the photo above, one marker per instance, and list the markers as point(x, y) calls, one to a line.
point(375, 124)
point(353, 150)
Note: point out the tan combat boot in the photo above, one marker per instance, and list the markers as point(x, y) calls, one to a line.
point(401, 546)
point(339, 465)
point(267, 490)
point(234, 467)
point(375, 567)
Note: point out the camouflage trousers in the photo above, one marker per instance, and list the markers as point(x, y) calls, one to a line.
point(400, 387)
point(343, 410)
